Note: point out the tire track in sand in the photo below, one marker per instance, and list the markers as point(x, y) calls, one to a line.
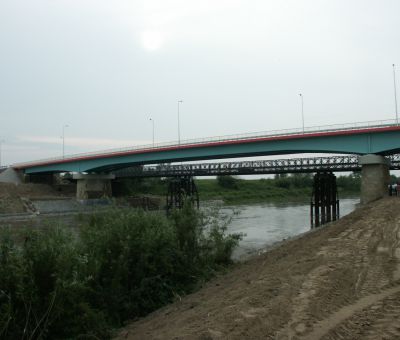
point(323, 327)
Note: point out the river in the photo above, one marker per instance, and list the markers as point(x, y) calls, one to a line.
point(267, 223)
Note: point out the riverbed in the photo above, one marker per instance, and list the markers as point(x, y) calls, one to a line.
point(264, 224)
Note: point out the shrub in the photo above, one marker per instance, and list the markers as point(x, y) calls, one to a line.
point(350, 183)
point(43, 289)
point(227, 182)
point(131, 258)
point(283, 182)
point(122, 265)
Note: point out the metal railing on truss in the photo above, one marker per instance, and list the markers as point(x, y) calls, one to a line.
point(253, 167)
point(220, 139)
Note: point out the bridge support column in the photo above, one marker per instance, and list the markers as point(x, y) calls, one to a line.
point(182, 189)
point(93, 185)
point(374, 177)
point(324, 200)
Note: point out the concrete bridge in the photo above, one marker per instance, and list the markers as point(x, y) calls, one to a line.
point(370, 140)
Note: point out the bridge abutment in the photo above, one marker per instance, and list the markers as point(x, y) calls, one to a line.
point(93, 185)
point(375, 177)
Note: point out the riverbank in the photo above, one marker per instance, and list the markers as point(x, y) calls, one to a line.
point(230, 190)
point(341, 281)
point(293, 188)
point(251, 191)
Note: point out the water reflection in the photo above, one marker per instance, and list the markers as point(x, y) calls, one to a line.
point(267, 223)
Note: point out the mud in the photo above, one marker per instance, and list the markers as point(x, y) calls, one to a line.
point(340, 282)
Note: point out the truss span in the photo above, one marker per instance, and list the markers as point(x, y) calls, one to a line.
point(257, 167)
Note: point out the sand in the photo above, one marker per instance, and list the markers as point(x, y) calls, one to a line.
point(340, 282)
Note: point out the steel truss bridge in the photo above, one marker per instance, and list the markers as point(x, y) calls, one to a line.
point(255, 167)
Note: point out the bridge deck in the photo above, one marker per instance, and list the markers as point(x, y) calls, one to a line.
point(368, 137)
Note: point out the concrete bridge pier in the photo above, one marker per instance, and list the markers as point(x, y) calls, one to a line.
point(93, 185)
point(375, 177)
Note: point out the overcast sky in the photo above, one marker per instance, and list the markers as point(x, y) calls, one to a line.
point(105, 67)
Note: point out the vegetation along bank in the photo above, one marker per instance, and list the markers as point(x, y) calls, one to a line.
point(232, 190)
point(61, 284)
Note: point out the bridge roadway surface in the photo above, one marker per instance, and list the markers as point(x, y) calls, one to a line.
point(382, 137)
point(258, 167)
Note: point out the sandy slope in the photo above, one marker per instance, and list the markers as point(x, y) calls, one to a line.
point(341, 282)
point(14, 197)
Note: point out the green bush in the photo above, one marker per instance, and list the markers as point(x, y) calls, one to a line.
point(121, 265)
point(283, 182)
point(42, 292)
point(227, 182)
point(350, 183)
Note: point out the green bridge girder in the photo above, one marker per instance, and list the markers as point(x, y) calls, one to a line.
point(379, 141)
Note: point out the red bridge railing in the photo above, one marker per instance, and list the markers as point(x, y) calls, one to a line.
point(225, 138)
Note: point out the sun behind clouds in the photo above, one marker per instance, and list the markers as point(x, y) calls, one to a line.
point(152, 40)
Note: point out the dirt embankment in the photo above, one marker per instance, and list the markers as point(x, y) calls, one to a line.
point(14, 198)
point(340, 282)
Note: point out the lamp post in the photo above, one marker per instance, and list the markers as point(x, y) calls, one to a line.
point(1, 142)
point(179, 125)
point(302, 109)
point(63, 139)
point(152, 121)
point(395, 94)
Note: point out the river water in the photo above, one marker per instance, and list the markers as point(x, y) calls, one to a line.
point(267, 223)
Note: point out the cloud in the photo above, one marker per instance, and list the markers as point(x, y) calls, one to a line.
point(18, 148)
point(83, 143)
point(154, 23)
point(152, 40)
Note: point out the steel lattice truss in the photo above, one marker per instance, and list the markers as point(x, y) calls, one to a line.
point(258, 167)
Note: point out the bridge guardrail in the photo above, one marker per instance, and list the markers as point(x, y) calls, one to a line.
point(224, 138)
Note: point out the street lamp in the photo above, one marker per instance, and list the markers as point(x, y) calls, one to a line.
point(1, 142)
point(302, 109)
point(152, 121)
point(179, 126)
point(395, 94)
point(63, 139)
